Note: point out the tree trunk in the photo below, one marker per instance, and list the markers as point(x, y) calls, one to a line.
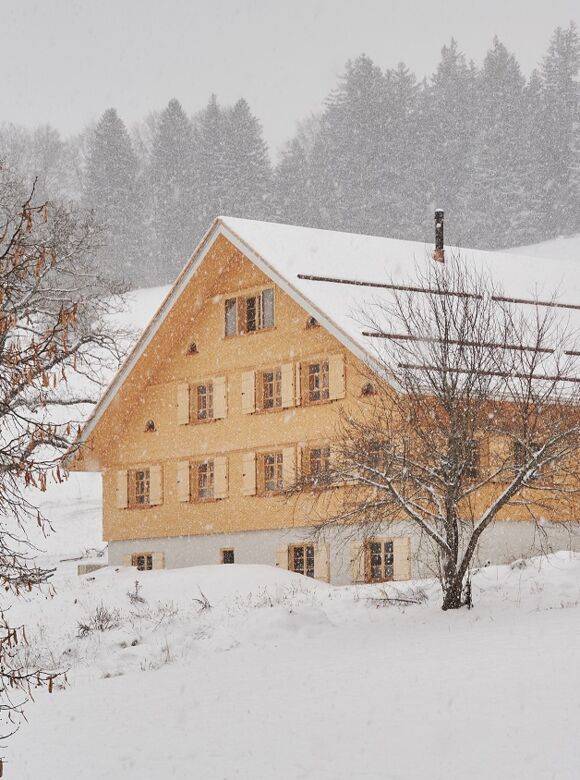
point(453, 593)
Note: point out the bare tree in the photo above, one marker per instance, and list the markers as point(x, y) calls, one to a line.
point(57, 346)
point(470, 415)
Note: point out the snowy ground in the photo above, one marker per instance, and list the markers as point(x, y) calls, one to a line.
point(284, 677)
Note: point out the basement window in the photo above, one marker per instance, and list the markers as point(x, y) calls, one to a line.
point(301, 559)
point(249, 313)
point(381, 558)
point(142, 561)
point(227, 555)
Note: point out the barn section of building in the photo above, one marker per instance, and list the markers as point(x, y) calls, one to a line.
point(317, 276)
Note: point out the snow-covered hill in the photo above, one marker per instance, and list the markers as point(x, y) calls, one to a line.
point(251, 672)
point(564, 248)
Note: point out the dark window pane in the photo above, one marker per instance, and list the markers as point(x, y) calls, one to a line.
point(251, 314)
point(299, 560)
point(310, 561)
point(227, 556)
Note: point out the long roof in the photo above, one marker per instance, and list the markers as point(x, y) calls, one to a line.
point(332, 275)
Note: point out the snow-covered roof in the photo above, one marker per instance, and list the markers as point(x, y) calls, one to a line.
point(289, 254)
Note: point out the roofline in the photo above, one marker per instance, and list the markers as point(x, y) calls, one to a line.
point(218, 228)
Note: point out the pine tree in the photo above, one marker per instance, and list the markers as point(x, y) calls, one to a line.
point(111, 190)
point(349, 156)
point(404, 193)
point(557, 158)
point(170, 183)
point(212, 170)
point(292, 186)
point(249, 174)
point(497, 202)
point(448, 136)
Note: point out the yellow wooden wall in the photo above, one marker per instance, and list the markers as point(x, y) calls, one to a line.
point(120, 442)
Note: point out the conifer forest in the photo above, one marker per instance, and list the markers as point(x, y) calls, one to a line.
point(499, 150)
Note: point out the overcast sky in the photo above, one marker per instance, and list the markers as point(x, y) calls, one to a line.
point(66, 61)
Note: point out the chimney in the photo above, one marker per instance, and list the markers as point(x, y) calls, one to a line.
point(439, 253)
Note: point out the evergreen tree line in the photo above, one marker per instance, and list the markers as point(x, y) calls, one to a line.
point(498, 151)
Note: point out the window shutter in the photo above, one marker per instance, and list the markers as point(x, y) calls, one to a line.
point(183, 486)
point(220, 476)
point(158, 560)
point(182, 404)
point(248, 392)
point(297, 385)
point(122, 485)
point(336, 383)
point(282, 557)
point(322, 562)
point(288, 466)
point(127, 560)
point(155, 485)
point(220, 402)
point(287, 385)
point(249, 474)
point(358, 561)
point(402, 556)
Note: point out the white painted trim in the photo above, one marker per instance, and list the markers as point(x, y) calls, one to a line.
point(217, 229)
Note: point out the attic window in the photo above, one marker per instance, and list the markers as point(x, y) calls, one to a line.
point(368, 389)
point(312, 322)
point(192, 349)
point(150, 426)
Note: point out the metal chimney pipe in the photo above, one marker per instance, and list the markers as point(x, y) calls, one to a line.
point(439, 253)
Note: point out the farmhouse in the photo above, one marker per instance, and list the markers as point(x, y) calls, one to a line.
point(234, 389)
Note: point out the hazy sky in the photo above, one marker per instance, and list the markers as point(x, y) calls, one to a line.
point(66, 61)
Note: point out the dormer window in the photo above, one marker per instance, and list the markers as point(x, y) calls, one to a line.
point(368, 389)
point(150, 426)
point(192, 348)
point(249, 313)
point(312, 322)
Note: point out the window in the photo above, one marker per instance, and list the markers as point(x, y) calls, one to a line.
point(318, 382)
point(472, 460)
point(249, 313)
point(381, 560)
point(143, 561)
point(312, 322)
point(202, 402)
point(272, 471)
point(231, 317)
point(228, 555)
point(319, 461)
point(272, 389)
point(301, 559)
point(205, 484)
point(139, 484)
